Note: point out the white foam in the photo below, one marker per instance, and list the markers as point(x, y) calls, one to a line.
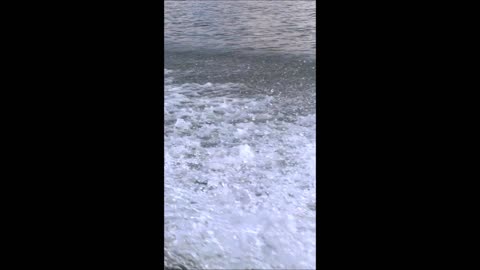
point(246, 153)
point(239, 181)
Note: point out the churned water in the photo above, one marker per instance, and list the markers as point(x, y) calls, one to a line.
point(240, 121)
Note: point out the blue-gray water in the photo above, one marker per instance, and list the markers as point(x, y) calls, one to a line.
point(245, 26)
point(239, 135)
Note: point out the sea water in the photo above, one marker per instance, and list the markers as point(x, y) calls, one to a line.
point(239, 135)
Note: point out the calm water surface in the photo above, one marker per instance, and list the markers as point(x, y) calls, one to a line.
point(239, 134)
point(257, 26)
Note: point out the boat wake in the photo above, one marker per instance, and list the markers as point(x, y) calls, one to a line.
point(239, 179)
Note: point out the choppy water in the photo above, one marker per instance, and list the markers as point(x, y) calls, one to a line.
point(239, 135)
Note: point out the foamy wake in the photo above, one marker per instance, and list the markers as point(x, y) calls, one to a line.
point(239, 180)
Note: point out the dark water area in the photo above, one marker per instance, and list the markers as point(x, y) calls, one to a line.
point(263, 44)
point(258, 27)
point(240, 137)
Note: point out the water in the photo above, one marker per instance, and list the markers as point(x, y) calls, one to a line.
point(239, 134)
point(274, 26)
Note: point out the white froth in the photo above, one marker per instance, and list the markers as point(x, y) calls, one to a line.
point(239, 181)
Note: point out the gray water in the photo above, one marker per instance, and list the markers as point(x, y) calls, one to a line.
point(256, 26)
point(239, 134)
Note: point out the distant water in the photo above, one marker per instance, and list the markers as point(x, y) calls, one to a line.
point(257, 26)
point(239, 135)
